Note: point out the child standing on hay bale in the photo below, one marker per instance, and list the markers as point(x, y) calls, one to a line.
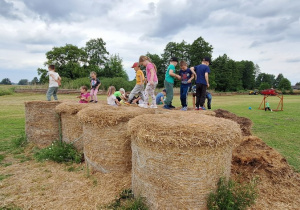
point(202, 83)
point(84, 95)
point(139, 87)
point(169, 83)
point(152, 81)
point(186, 76)
point(268, 106)
point(54, 82)
point(111, 98)
point(95, 84)
point(208, 96)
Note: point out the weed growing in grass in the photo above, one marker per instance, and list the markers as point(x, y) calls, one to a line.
point(59, 152)
point(233, 195)
point(126, 201)
point(1, 158)
point(10, 207)
point(4, 176)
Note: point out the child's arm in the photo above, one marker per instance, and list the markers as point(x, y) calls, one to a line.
point(152, 76)
point(162, 100)
point(192, 77)
point(206, 78)
point(194, 73)
point(172, 74)
point(117, 102)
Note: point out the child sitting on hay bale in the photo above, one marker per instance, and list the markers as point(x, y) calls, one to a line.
point(121, 95)
point(111, 98)
point(84, 95)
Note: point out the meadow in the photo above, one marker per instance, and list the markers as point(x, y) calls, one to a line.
point(280, 130)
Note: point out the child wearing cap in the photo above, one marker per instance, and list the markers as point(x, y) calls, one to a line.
point(169, 83)
point(202, 82)
point(139, 87)
point(151, 81)
point(160, 97)
point(186, 76)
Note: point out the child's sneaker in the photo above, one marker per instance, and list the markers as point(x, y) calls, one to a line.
point(153, 106)
point(141, 105)
point(126, 103)
point(166, 107)
point(145, 106)
point(171, 106)
point(197, 108)
point(91, 101)
point(184, 108)
point(95, 101)
point(202, 108)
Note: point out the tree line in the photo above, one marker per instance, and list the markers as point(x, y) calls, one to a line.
point(227, 74)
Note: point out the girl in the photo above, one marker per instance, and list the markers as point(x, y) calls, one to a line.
point(84, 95)
point(111, 98)
point(95, 84)
point(151, 81)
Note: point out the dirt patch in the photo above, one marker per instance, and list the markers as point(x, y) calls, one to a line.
point(279, 185)
point(245, 123)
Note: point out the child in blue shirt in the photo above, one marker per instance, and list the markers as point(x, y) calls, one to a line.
point(186, 76)
point(160, 97)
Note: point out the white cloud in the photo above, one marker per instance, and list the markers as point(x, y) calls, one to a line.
point(264, 31)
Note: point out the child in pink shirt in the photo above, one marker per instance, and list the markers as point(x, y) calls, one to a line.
point(84, 95)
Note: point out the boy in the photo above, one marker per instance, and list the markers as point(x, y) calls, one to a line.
point(202, 83)
point(186, 76)
point(160, 97)
point(169, 83)
point(268, 106)
point(207, 96)
point(54, 82)
point(139, 87)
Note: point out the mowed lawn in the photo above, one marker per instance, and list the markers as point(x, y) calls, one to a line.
point(279, 130)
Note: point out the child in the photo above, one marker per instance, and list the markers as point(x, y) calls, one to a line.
point(186, 76)
point(268, 106)
point(84, 95)
point(207, 95)
point(95, 84)
point(111, 98)
point(160, 97)
point(54, 82)
point(202, 83)
point(139, 87)
point(121, 94)
point(169, 83)
point(151, 81)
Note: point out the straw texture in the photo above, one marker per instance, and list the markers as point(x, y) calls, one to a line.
point(41, 122)
point(245, 123)
point(70, 126)
point(106, 141)
point(178, 158)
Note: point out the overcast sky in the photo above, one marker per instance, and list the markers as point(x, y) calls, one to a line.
point(265, 32)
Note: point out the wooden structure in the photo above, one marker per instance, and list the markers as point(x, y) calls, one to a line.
point(262, 105)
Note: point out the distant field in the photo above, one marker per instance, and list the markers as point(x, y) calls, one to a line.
point(279, 130)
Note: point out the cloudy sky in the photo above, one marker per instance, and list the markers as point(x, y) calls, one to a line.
point(266, 32)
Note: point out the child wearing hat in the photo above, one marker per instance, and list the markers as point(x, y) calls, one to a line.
point(202, 82)
point(139, 87)
point(169, 83)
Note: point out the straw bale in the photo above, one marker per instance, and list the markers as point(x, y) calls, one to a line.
point(279, 184)
point(106, 143)
point(71, 128)
point(178, 158)
point(245, 123)
point(41, 122)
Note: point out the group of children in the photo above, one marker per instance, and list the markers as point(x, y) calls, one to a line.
point(141, 96)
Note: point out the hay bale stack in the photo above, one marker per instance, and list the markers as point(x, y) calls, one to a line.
point(178, 158)
point(245, 123)
point(106, 141)
point(41, 122)
point(71, 128)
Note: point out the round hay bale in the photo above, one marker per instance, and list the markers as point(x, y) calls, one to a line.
point(105, 136)
point(41, 122)
point(245, 123)
point(71, 128)
point(178, 158)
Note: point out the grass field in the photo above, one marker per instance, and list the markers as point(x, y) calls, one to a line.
point(279, 130)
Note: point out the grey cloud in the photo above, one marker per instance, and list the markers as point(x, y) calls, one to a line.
point(69, 10)
point(7, 10)
point(266, 40)
point(293, 60)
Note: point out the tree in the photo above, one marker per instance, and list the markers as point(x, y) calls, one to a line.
point(198, 50)
point(278, 80)
point(96, 54)
point(265, 78)
point(23, 82)
point(247, 70)
point(114, 68)
point(5, 81)
point(264, 85)
point(34, 81)
point(284, 85)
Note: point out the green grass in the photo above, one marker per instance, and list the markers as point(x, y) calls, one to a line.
point(278, 129)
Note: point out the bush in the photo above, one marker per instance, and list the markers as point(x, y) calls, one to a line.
point(4, 90)
point(232, 195)
point(118, 82)
point(127, 201)
point(75, 84)
point(59, 152)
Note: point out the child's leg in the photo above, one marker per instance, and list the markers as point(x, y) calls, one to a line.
point(169, 93)
point(198, 94)
point(147, 93)
point(95, 94)
point(202, 94)
point(92, 94)
point(208, 96)
point(151, 92)
point(55, 93)
point(134, 91)
point(49, 93)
